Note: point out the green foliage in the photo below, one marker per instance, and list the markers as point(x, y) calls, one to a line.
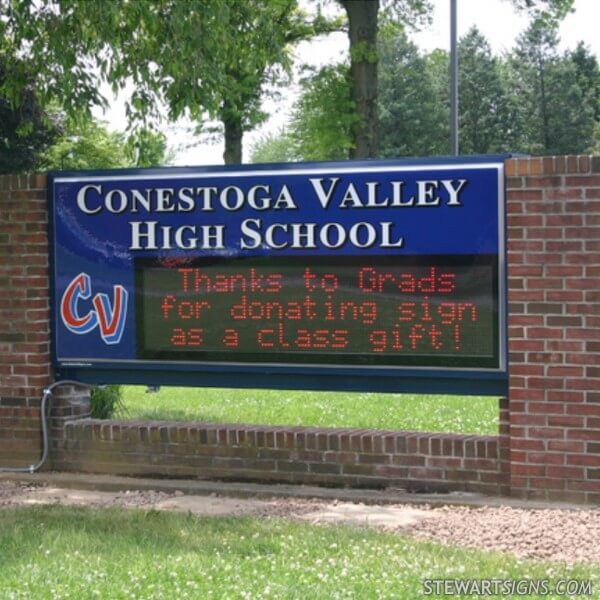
point(535, 100)
point(274, 147)
point(408, 13)
point(588, 76)
point(136, 40)
point(86, 143)
point(363, 24)
point(412, 119)
point(321, 123)
point(26, 130)
point(571, 121)
point(147, 148)
point(554, 10)
point(258, 59)
point(106, 401)
point(485, 110)
point(214, 59)
point(363, 16)
point(324, 115)
point(78, 552)
point(363, 51)
point(315, 409)
point(556, 112)
point(437, 64)
point(196, 57)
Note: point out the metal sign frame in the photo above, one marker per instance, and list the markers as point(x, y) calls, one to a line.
point(265, 373)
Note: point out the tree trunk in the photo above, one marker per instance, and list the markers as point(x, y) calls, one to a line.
point(233, 139)
point(362, 31)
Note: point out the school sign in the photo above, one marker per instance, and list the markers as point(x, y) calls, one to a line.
point(379, 275)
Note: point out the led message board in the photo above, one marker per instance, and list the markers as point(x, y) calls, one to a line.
point(382, 275)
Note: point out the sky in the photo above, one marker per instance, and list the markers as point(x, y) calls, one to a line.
point(496, 19)
point(500, 24)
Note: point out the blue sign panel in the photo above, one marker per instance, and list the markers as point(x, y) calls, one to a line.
point(382, 275)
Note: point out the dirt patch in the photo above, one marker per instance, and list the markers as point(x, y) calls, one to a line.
point(14, 494)
point(11, 492)
point(384, 517)
point(568, 536)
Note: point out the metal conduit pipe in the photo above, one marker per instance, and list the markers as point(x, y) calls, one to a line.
point(44, 417)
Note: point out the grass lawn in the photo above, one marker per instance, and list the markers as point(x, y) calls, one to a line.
point(472, 414)
point(64, 552)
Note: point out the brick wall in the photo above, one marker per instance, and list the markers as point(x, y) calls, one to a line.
point(335, 457)
point(554, 282)
point(24, 316)
point(549, 440)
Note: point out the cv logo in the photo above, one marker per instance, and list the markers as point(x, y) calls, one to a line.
point(109, 317)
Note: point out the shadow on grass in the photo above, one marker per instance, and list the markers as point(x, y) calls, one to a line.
point(27, 532)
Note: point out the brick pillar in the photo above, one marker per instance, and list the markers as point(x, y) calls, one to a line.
point(25, 366)
point(554, 327)
point(24, 316)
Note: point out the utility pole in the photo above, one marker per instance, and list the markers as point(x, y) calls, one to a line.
point(453, 81)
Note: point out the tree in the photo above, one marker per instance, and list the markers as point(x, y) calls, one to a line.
point(273, 148)
point(148, 148)
point(556, 116)
point(548, 9)
point(571, 112)
point(588, 75)
point(26, 130)
point(324, 115)
point(596, 147)
point(198, 57)
point(362, 32)
point(257, 55)
point(412, 116)
point(320, 127)
point(536, 50)
point(499, 110)
point(438, 68)
point(485, 115)
point(86, 143)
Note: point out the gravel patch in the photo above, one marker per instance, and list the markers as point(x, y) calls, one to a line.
point(555, 535)
point(143, 498)
point(569, 536)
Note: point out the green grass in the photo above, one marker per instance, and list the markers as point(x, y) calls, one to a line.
point(63, 552)
point(473, 414)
